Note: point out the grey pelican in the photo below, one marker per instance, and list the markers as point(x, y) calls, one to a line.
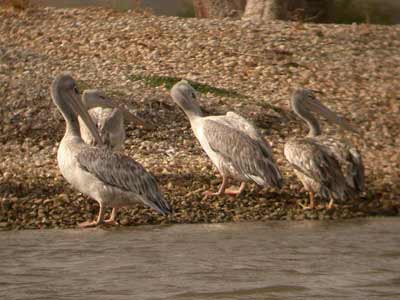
point(111, 178)
point(108, 118)
point(232, 143)
point(325, 166)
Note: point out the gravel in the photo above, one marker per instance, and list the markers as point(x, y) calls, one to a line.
point(356, 66)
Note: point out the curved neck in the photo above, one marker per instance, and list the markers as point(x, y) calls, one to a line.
point(312, 122)
point(193, 114)
point(192, 110)
point(90, 102)
point(72, 129)
point(71, 120)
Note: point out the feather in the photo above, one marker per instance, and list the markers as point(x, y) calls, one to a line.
point(110, 124)
point(121, 171)
point(317, 162)
point(239, 150)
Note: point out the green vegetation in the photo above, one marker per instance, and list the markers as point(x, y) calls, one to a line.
point(168, 82)
point(187, 10)
point(356, 11)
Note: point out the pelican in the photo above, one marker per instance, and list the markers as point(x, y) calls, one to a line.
point(108, 118)
point(232, 143)
point(111, 178)
point(325, 166)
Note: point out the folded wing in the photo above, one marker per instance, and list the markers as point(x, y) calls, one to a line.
point(248, 156)
point(121, 171)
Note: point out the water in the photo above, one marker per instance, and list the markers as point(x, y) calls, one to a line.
point(345, 11)
point(159, 7)
point(357, 259)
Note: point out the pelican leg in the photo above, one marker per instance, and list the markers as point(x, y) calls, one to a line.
point(330, 204)
point(111, 220)
point(221, 189)
point(312, 202)
point(237, 192)
point(100, 219)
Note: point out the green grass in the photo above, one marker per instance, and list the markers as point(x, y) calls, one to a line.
point(363, 11)
point(168, 82)
point(187, 10)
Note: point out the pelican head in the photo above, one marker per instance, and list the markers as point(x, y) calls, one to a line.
point(304, 100)
point(184, 95)
point(97, 98)
point(66, 97)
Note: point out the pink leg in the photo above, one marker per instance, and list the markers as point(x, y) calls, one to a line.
point(331, 204)
point(312, 202)
point(237, 192)
point(221, 189)
point(99, 220)
point(111, 220)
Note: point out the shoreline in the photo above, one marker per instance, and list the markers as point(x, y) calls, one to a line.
point(241, 67)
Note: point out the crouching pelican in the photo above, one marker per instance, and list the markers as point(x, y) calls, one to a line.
point(326, 166)
point(108, 118)
point(235, 147)
point(111, 178)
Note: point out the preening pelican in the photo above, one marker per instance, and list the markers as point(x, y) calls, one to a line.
point(108, 118)
point(111, 178)
point(233, 144)
point(326, 166)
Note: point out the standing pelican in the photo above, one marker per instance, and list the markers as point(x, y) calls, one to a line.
point(326, 166)
point(108, 118)
point(233, 144)
point(112, 179)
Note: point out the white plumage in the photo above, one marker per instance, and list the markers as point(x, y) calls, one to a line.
point(326, 166)
point(233, 144)
point(111, 178)
point(109, 120)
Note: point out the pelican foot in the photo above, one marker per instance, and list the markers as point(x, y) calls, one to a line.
point(111, 222)
point(207, 194)
point(330, 206)
point(305, 207)
point(233, 192)
point(236, 192)
point(88, 224)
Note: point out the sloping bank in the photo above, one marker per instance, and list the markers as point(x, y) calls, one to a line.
point(238, 66)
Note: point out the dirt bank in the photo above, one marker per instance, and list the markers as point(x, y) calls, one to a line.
point(255, 70)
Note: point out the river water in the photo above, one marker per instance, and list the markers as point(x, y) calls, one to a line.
point(358, 259)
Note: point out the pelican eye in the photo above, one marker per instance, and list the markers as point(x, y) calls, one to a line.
point(76, 89)
point(193, 95)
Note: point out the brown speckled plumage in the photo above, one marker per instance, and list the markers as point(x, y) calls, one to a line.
point(326, 166)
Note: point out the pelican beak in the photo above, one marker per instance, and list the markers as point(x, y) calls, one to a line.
point(130, 117)
point(79, 109)
point(316, 106)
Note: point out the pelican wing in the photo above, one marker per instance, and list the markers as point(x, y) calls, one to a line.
point(246, 155)
point(349, 159)
point(121, 171)
point(243, 125)
point(316, 162)
point(357, 169)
